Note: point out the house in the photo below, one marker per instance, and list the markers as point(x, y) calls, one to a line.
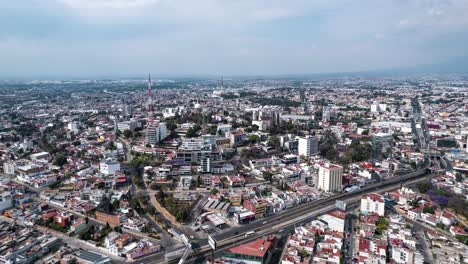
point(457, 231)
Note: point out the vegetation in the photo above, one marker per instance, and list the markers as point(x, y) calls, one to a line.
point(181, 213)
point(60, 160)
point(276, 101)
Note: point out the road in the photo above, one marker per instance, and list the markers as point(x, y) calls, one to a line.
point(286, 220)
point(350, 237)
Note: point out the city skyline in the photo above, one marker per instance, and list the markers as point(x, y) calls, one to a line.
point(67, 38)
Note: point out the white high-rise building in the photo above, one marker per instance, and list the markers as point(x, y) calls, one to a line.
point(74, 126)
point(156, 133)
point(308, 146)
point(373, 203)
point(330, 177)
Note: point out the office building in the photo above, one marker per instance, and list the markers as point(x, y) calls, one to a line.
point(330, 177)
point(127, 125)
point(308, 146)
point(155, 133)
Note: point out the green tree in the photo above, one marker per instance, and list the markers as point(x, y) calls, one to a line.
point(268, 176)
point(274, 142)
point(213, 129)
point(60, 161)
point(127, 133)
point(254, 139)
point(423, 187)
point(116, 204)
point(214, 191)
point(224, 181)
point(428, 210)
point(191, 133)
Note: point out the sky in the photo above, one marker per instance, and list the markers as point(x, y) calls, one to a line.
point(121, 38)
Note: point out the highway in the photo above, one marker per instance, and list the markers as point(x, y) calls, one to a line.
point(300, 214)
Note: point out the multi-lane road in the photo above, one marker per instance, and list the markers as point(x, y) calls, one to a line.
point(297, 215)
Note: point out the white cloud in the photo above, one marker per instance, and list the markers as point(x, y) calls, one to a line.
point(108, 4)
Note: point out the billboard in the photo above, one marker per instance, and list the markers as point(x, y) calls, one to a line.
point(212, 242)
point(340, 205)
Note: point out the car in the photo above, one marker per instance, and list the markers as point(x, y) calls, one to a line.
point(264, 222)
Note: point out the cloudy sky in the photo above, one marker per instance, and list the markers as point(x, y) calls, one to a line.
point(226, 37)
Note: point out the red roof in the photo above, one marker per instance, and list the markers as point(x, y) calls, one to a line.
point(257, 248)
point(338, 214)
point(374, 197)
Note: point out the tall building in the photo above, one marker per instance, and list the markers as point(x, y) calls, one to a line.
point(373, 203)
point(127, 110)
point(330, 177)
point(74, 126)
point(326, 113)
point(381, 145)
point(308, 146)
point(156, 133)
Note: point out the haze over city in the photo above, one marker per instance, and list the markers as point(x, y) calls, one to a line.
point(234, 132)
point(124, 38)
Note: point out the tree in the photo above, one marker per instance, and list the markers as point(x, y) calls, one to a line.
point(160, 196)
point(274, 142)
point(60, 161)
point(255, 127)
point(150, 210)
point(428, 210)
point(254, 139)
point(423, 187)
point(181, 216)
point(191, 133)
point(213, 129)
point(268, 176)
point(116, 204)
point(127, 133)
point(214, 191)
point(224, 181)
point(86, 220)
point(111, 146)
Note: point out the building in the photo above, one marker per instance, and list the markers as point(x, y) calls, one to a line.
point(39, 156)
point(109, 166)
point(308, 146)
point(127, 125)
point(9, 167)
point(381, 145)
point(155, 133)
point(256, 252)
point(335, 220)
point(373, 203)
point(6, 201)
point(258, 207)
point(74, 127)
point(127, 110)
point(330, 177)
point(237, 138)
